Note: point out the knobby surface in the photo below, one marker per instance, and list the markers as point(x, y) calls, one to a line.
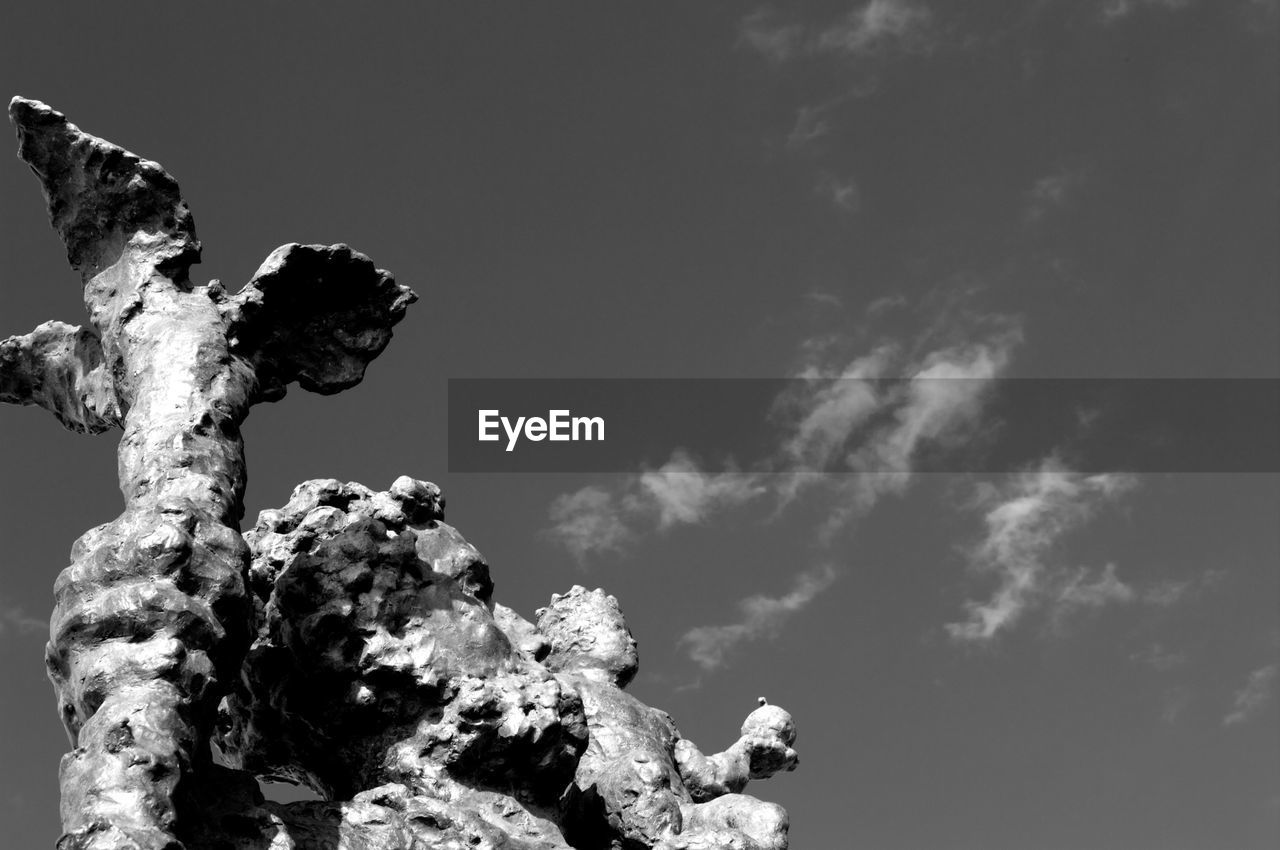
point(350, 641)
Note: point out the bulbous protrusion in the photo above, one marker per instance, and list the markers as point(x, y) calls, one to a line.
point(588, 634)
point(768, 734)
point(378, 656)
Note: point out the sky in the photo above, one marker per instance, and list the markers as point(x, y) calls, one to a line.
point(1048, 658)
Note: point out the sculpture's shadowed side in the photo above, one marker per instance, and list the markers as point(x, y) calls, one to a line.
point(350, 641)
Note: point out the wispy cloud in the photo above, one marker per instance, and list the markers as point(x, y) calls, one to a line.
point(833, 417)
point(1259, 690)
point(1166, 593)
point(1158, 657)
point(872, 26)
point(940, 403)
point(1024, 521)
point(761, 617)
point(1113, 10)
point(842, 192)
point(762, 32)
point(838, 415)
point(1049, 193)
point(824, 410)
point(594, 520)
point(13, 618)
point(867, 28)
point(811, 125)
point(684, 495)
point(884, 304)
point(1085, 589)
point(588, 521)
point(824, 300)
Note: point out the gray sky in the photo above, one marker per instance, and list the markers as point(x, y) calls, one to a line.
point(1035, 189)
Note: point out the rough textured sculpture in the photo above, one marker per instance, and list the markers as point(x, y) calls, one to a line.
point(350, 640)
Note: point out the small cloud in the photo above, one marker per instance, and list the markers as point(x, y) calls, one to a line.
point(811, 125)
point(825, 300)
point(1049, 193)
point(1025, 521)
point(872, 26)
point(1258, 690)
point(588, 521)
point(1079, 591)
point(14, 618)
point(1157, 657)
point(866, 29)
point(1087, 417)
point(762, 617)
point(761, 32)
point(594, 520)
point(843, 193)
point(1165, 594)
point(1114, 10)
point(1169, 592)
point(683, 495)
point(885, 303)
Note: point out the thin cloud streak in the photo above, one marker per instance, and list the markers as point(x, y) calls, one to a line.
point(824, 300)
point(866, 29)
point(811, 125)
point(14, 619)
point(885, 304)
point(1024, 522)
point(1114, 10)
point(874, 25)
point(940, 403)
point(588, 521)
point(1258, 691)
point(1157, 657)
point(1050, 193)
point(593, 520)
point(776, 42)
point(762, 617)
point(843, 193)
point(824, 412)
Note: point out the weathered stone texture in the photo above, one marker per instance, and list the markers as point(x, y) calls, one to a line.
point(151, 619)
point(350, 641)
point(379, 660)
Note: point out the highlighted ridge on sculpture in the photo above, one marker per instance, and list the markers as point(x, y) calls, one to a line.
point(350, 641)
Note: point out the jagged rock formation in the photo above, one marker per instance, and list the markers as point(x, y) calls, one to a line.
point(350, 641)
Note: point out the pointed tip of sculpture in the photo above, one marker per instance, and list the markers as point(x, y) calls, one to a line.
point(21, 109)
point(100, 195)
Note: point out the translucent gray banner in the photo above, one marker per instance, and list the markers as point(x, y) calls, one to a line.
point(858, 426)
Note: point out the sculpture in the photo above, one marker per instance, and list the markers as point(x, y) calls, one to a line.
point(350, 641)
point(639, 781)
